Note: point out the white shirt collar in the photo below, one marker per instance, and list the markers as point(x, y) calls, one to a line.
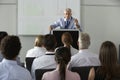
point(13, 62)
point(49, 52)
point(68, 19)
point(83, 50)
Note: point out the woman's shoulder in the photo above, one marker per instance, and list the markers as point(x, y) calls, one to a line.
point(73, 75)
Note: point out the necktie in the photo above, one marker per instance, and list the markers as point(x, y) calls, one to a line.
point(67, 24)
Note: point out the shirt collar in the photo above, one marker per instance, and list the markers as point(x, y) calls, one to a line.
point(13, 62)
point(83, 50)
point(49, 52)
point(68, 19)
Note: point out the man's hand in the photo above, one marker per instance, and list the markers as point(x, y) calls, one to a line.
point(76, 23)
point(50, 28)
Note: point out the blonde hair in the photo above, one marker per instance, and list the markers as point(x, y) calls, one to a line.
point(39, 40)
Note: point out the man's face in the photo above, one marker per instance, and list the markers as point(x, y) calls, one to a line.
point(67, 14)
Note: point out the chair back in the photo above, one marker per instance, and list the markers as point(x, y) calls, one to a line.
point(39, 73)
point(29, 61)
point(83, 71)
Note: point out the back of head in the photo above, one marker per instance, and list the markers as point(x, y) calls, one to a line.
point(62, 57)
point(84, 40)
point(49, 42)
point(108, 53)
point(10, 47)
point(67, 39)
point(39, 40)
point(108, 59)
point(2, 35)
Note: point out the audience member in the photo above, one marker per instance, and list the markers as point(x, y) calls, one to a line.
point(38, 49)
point(9, 69)
point(46, 61)
point(67, 22)
point(2, 35)
point(62, 58)
point(84, 57)
point(67, 41)
point(109, 69)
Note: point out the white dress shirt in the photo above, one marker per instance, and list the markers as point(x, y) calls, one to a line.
point(17, 59)
point(36, 52)
point(10, 70)
point(46, 61)
point(84, 58)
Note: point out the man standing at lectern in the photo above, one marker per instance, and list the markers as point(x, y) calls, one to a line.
point(67, 22)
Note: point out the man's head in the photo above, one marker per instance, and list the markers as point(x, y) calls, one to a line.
point(84, 40)
point(67, 13)
point(49, 42)
point(10, 47)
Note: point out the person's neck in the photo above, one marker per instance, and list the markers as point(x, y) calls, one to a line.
point(50, 50)
point(68, 18)
point(58, 67)
point(68, 45)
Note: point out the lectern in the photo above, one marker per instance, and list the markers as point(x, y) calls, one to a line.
point(74, 33)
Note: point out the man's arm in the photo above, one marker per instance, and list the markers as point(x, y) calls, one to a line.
point(77, 24)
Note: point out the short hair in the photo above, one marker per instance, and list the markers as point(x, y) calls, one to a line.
point(67, 10)
point(39, 40)
point(10, 47)
point(2, 35)
point(67, 38)
point(49, 42)
point(84, 40)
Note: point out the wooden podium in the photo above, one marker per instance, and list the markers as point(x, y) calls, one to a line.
point(74, 33)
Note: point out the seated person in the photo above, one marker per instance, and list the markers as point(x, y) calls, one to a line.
point(67, 41)
point(62, 58)
point(67, 22)
point(2, 35)
point(9, 69)
point(84, 57)
point(38, 49)
point(109, 69)
point(46, 61)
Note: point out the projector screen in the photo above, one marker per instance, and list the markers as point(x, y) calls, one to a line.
point(35, 16)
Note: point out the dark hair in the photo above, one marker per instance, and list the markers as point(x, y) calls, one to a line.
point(10, 47)
point(49, 42)
point(108, 59)
point(62, 57)
point(2, 35)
